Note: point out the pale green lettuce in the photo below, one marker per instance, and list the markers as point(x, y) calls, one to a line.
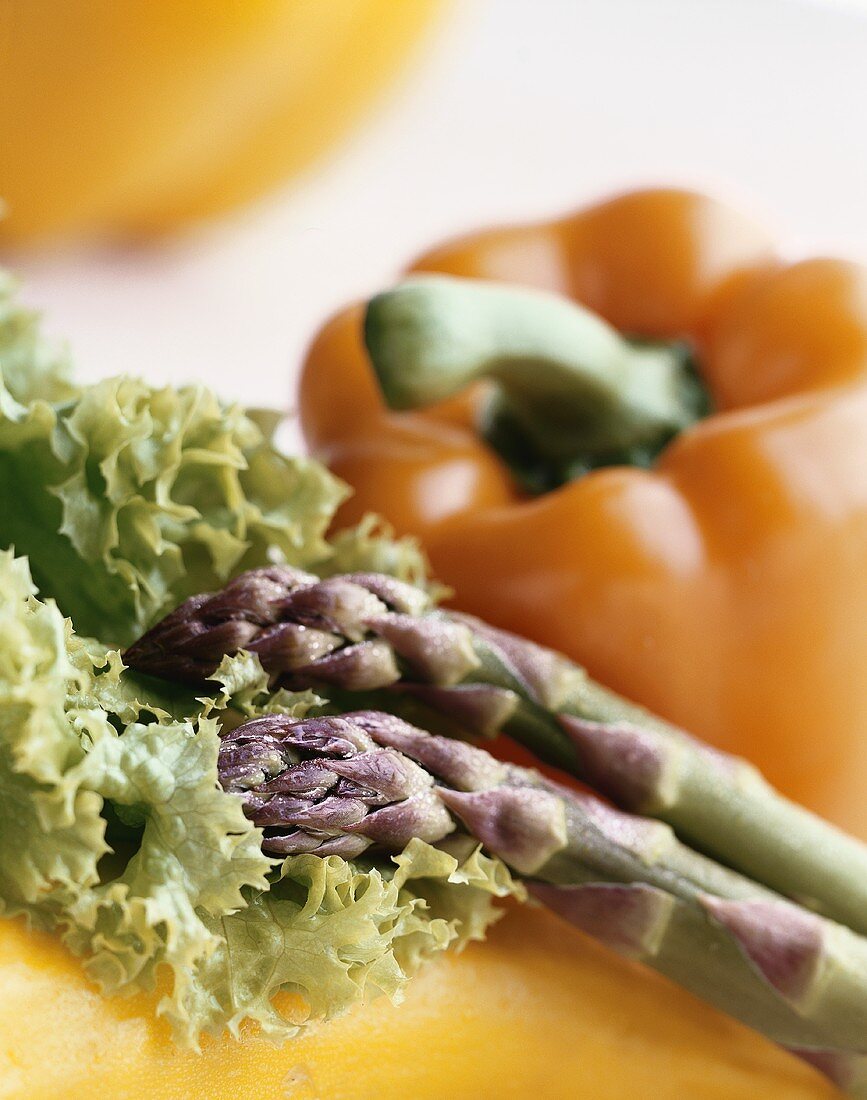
point(51, 830)
point(32, 368)
point(371, 547)
point(337, 933)
point(62, 758)
point(128, 498)
point(115, 832)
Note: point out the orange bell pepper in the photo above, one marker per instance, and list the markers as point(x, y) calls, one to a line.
point(142, 115)
point(724, 588)
point(538, 1008)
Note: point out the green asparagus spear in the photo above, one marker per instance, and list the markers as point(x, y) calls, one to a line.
point(368, 782)
point(369, 632)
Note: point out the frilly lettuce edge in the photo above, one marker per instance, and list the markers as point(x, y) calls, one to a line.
point(114, 831)
point(127, 497)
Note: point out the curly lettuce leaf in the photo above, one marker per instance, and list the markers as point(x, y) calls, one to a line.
point(113, 828)
point(195, 854)
point(245, 689)
point(458, 882)
point(62, 759)
point(52, 835)
point(334, 933)
point(128, 498)
point(32, 367)
point(371, 547)
point(115, 831)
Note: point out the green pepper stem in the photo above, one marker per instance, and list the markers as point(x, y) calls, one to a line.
point(570, 392)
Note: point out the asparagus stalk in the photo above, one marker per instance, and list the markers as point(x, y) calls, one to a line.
point(369, 632)
point(368, 782)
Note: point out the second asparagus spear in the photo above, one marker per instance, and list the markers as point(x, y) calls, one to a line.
point(369, 632)
point(367, 782)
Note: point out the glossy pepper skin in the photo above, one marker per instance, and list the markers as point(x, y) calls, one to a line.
point(138, 116)
point(725, 588)
point(536, 1009)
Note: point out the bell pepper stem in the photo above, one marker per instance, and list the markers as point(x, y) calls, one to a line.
point(568, 390)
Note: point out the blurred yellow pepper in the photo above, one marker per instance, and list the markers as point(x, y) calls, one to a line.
point(537, 1009)
point(134, 117)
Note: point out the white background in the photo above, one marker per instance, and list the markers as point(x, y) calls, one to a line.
point(517, 108)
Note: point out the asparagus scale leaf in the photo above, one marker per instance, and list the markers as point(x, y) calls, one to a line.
point(367, 632)
point(368, 782)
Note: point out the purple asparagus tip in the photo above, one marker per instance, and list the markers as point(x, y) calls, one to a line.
point(327, 785)
point(345, 631)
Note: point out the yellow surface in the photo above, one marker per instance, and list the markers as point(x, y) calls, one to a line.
point(537, 1011)
point(135, 116)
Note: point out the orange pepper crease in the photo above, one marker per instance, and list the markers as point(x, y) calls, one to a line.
point(725, 588)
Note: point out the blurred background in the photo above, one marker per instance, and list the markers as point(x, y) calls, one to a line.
point(499, 110)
